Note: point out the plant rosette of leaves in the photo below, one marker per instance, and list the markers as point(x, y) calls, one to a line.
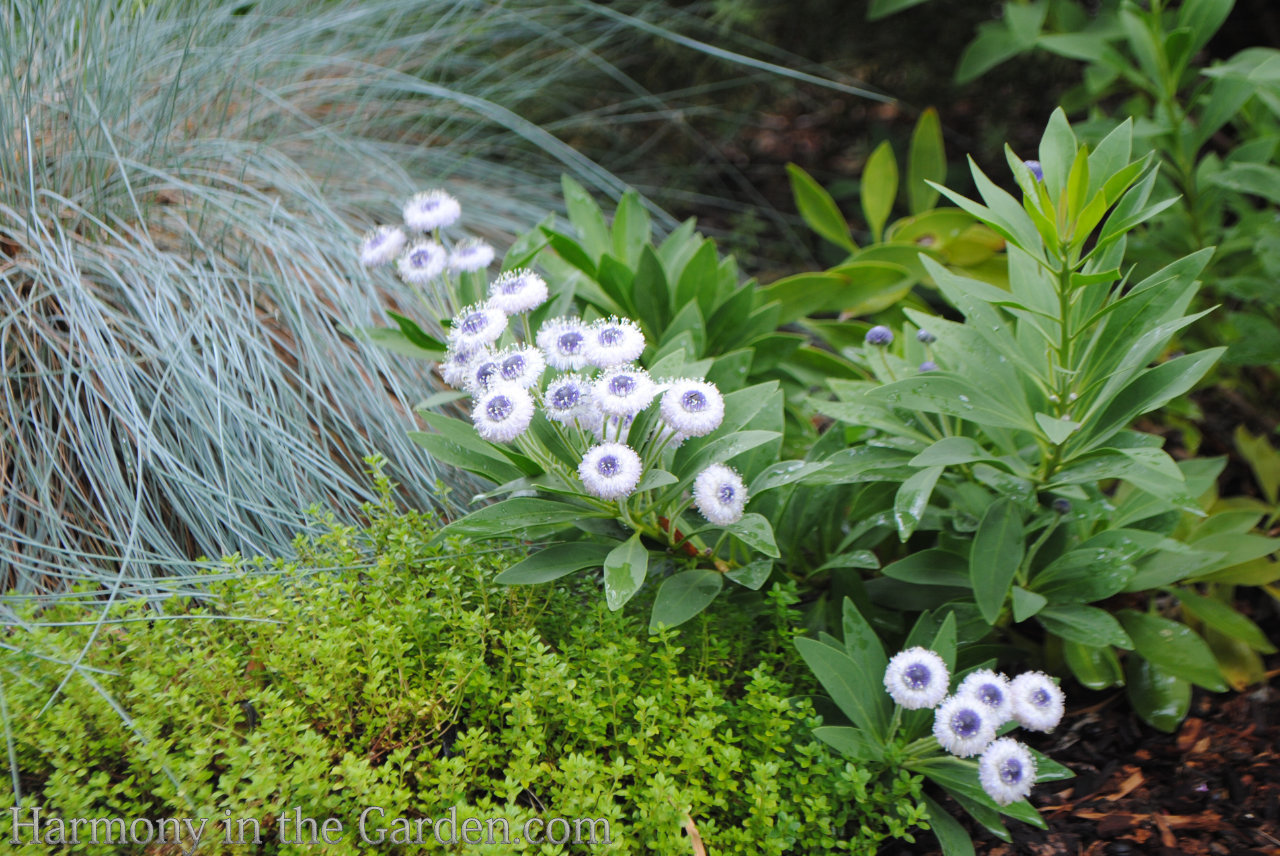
point(1025, 495)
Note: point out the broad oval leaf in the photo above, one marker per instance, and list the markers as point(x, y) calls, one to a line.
point(684, 595)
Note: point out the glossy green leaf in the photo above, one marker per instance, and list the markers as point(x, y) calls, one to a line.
point(586, 218)
point(952, 837)
point(883, 8)
point(849, 742)
point(993, 45)
point(858, 690)
point(950, 451)
point(684, 595)
point(931, 567)
point(1263, 459)
point(753, 575)
point(1173, 647)
point(624, 571)
point(397, 342)
point(995, 555)
point(631, 228)
point(879, 188)
point(756, 532)
point(912, 499)
point(555, 562)
point(1225, 620)
point(927, 162)
point(1085, 624)
point(1157, 695)
point(506, 518)
point(1095, 667)
point(818, 209)
point(1026, 603)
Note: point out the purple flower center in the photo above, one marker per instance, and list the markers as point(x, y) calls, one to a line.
point(1040, 698)
point(990, 695)
point(569, 343)
point(725, 493)
point(499, 408)
point(474, 323)
point(917, 676)
point(512, 367)
point(565, 397)
point(428, 205)
point(511, 285)
point(611, 336)
point(377, 239)
point(608, 466)
point(485, 373)
point(1010, 771)
point(966, 723)
point(622, 385)
point(693, 401)
point(420, 257)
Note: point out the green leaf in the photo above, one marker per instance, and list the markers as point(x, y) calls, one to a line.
point(1173, 647)
point(1085, 575)
point(1026, 603)
point(950, 451)
point(460, 450)
point(624, 571)
point(931, 567)
point(649, 292)
point(655, 478)
point(441, 398)
point(395, 341)
point(1263, 460)
point(1225, 620)
point(994, 558)
point(849, 742)
point(883, 8)
point(506, 518)
point(555, 562)
point(1203, 18)
point(1157, 695)
point(1252, 178)
point(927, 162)
point(415, 334)
point(861, 641)
point(1025, 20)
point(993, 45)
point(684, 595)
point(753, 575)
point(586, 218)
point(784, 473)
point(879, 188)
point(756, 532)
point(952, 837)
point(1057, 152)
point(1086, 624)
point(818, 209)
point(912, 499)
point(631, 229)
point(858, 690)
point(699, 275)
point(960, 777)
point(1095, 667)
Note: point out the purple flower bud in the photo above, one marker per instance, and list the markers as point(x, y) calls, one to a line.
point(925, 337)
point(879, 335)
point(928, 366)
point(1035, 168)
point(1062, 505)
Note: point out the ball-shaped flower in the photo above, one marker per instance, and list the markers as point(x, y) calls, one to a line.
point(614, 342)
point(381, 245)
point(610, 470)
point(1038, 703)
point(624, 391)
point(470, 255)
point(522, 366)
point(568, 397)
point(917, 678)
point(422, 262)
point(962, 726)
point(1007, 770)
point(430, 210)
point(564, 341)
point(928, 366)
point(719, 493)
point(456, 367)
point(477, 326)
point(694, 408)
point(518, 291)
point(925, 337)
point(879, 336)
point(992, 690)
point(503, 413)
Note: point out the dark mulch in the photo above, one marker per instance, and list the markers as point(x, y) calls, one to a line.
point(1211, 789)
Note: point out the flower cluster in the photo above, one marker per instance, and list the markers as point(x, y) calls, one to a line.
point(965, 723)
point(582, 375)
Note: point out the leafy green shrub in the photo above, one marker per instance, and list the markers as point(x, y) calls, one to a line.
point(1007, 439)
point(415, 684)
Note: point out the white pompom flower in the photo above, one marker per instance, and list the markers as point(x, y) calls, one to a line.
point(624, 391)
point(456, 368)
point(962, 726)
point(431, 210)
point(518, 291)
point(564, 341)
point(1007, 770)
point(568, 397)
point(503, 413)
point(610, 470)
point(992, 690)
point(1038, 703)
point(694, 408)
point(477, 326)
point(917, 678)
point(482, 372)
point(422, 262)
point(614, 342)
point(470, 255)
point(720, 494)
point(381, 246)
point(522, 366)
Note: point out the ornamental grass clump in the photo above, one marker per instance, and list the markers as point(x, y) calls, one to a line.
point(614, 455)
